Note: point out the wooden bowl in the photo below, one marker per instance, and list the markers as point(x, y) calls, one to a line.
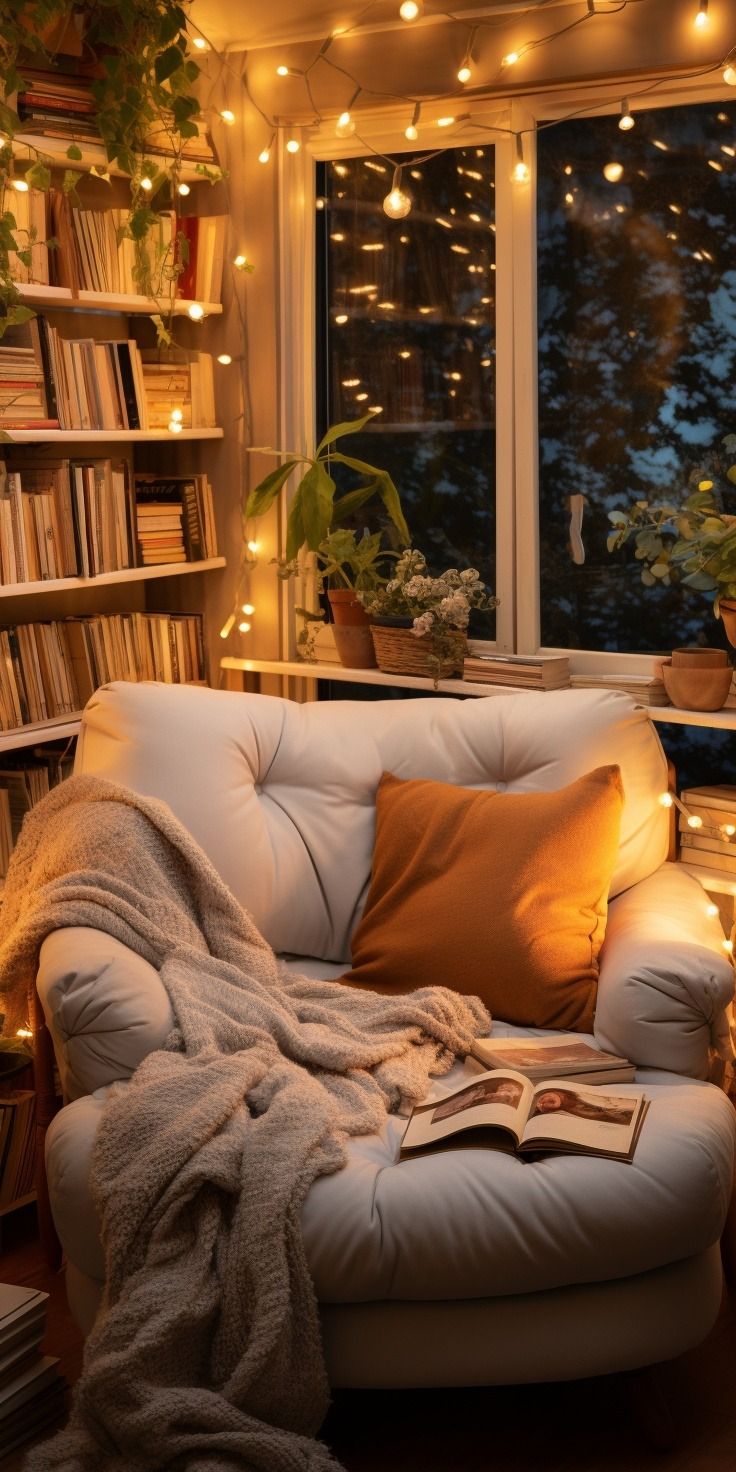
point(699, 658)
point(697, 689)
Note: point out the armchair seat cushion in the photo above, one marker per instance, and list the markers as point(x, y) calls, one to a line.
point(477, 1223)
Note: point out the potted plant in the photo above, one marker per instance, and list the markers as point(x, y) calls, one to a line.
point(418, 622)
point(344, 564)
point(694, 542)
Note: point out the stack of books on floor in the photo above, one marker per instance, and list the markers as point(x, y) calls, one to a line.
point(528, 672)
point(60, 518)
point(27, 400)
point(32, 1392)
point(648, 689)
point(709, 846)
point(24, 779)
point(17, 1145)
point(50, 670)
point(175, 519)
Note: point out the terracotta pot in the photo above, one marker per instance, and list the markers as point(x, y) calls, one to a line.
point(697, 689)
point(351, 629)
point(699, 658)
point(727, 610)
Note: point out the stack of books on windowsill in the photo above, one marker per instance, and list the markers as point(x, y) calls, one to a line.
point(710, 846)
point(649, 689)
point(528, 672)
point(32, 1392)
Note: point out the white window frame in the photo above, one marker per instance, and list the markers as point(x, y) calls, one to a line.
point(484, 122)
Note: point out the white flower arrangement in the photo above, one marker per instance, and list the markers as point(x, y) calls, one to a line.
point(437, 606)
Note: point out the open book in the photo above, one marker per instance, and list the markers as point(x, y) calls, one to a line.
point(559, 1055)
point(506, 1111)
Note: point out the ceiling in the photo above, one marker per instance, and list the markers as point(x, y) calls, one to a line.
point(250, 24)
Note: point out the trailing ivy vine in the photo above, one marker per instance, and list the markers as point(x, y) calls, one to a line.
point(143, 80)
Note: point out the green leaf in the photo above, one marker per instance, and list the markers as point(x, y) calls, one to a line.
point(167, 63)
point(70, 181)
point(317, 495)
point(74, 152)
point(16, 315)
point(264, 494)
point(386, 489)
point(26, 257)
point(349, 426)
point(38, 176)
point(296, 535)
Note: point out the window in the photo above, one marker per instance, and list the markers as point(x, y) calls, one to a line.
point(405, 315)
point(637, 352)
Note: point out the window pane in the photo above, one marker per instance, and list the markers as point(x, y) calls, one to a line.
point(637, 342)
point(406, 313)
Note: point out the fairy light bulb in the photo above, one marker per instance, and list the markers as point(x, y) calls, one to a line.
point(666, 799)
point(728, 946)
point(626, 122)
point(445, 122)
point(521, 168)
point(175, 426)
point(240, 262)
point(711, 910)
point(225, 359)
point(20, 185)
point(293, 145)
point(244, 626)
point(183, 190)
point(264, 155)
point(248, 609)
point(729, 76)
point(694, 821)
point(178, 415)
point(412, 132)
point(345, 124)
point(227, 626)
point(24, 1032)
point(613, 172)
point(252, 547)
point(728, 829)
point(196, 312)
point(701, 18)
point(411, 9)
point(465, 72)
point(146, 183)
point(511, 58)
point(200, 43)
point(282, 71)
point(227, 116)
point(397, 203)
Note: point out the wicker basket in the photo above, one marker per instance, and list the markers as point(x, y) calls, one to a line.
point(402, 652)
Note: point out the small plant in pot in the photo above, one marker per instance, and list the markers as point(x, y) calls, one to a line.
point(343, 562)
point(419, 622)
point(693, 542)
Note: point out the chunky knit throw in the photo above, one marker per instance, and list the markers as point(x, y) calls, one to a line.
point(206, 1353)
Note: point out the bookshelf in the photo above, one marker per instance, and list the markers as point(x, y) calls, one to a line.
point(106, 436)
point(62, 298)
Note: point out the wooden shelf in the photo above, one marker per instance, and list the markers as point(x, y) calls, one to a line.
point(60, 729)
point(94, 154)
point(718, 881)
point(103, 436)
point(21, 1200)
point(104, 579)
point(714, 720)
point(61, 298)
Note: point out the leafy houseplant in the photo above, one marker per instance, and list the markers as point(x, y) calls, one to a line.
point(143, 80)
point(434, 610)
point(694, 542)
point(344, 564)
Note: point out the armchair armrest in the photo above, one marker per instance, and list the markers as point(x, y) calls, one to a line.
point(665, 979)
point(105, 1007)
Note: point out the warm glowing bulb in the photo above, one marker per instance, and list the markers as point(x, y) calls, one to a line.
point(626, 122)
point(445, 122)
point(729, 76)
point(711, 910)
point(728, 829)
point(341, 319)
point(227, 116)
point(20, 185)
point(24, 1032)
point(244, 627)
point(701, 18)
point(397, 204)
point(184, 190)
point(464, 73)
point(248, 609)
point(613, 172)
point(510, 58)
point(282, 71)
point(225, 359)
point(227, 626)
point(252, 546)
point(521, 172)
point(728, 946)
point(410, 9)
point(344, 125)
point(694, 821)
point(264, 155)
point(411, 133)
point(666, 799)
point(175, 426)
point(200, 43)
point(177, 414)
point(293, 145)
point(146, 183)
point(240, 262)
point(196, 312)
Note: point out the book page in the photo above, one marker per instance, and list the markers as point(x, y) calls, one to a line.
point(573, 1114)
point(500, 1099)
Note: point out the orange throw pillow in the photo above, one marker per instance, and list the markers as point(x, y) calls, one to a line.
point(502, 895)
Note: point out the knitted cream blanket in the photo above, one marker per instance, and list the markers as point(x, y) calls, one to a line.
point(206, 1353)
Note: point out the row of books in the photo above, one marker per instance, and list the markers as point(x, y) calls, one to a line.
point(709, 844)
point(32, 1392)
point(17, 1144)
point(49, 381)
point(49, 670)
point(60, 105)
point(24, 780)
point(532, 672)
point(69, 518)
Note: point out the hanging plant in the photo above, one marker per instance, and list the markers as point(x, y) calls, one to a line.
point(142, 83)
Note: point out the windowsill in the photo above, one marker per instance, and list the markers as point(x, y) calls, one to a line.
point(722, 720)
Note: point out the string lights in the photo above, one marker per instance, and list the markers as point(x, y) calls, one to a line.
point(411, 9)
point(701, 19)
point(397, 204)
point(412, 132)
point(626, 122)
point(520, 173)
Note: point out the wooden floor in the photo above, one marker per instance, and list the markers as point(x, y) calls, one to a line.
point(589, 1426)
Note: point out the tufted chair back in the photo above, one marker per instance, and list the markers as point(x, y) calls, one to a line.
point(281, 796)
